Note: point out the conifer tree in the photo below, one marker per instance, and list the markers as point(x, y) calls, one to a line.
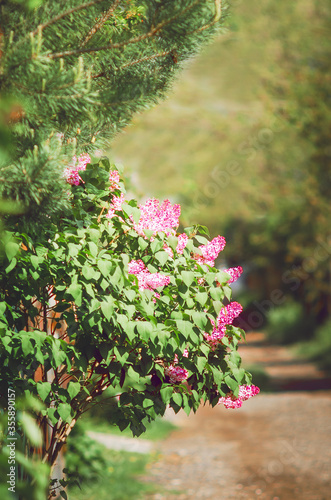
point(73, 72)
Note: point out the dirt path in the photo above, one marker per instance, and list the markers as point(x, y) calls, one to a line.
point(276, 447)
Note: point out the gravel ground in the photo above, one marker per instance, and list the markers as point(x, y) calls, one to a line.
point(276, 447)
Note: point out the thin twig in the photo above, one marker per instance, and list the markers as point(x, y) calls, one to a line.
point(57, 18)
point(100, 23)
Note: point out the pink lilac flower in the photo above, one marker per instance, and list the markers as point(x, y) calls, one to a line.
point(150, 281)
point(248, 391)
point(156, 217)
point(114, 179)
point(226, 316)
point(234, 272)
point(216, 336)
point(176, 374)
point(82, 161)
point(72, 176)
point(228, 313)
point(71, 173)
point(147, 280)
point(169, 251)
point(185, 355)
point(182, 242)
point(245, 392)
point(115, 205)
point(136, 266)
point(210, 251)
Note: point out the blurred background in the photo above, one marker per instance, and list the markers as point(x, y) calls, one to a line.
point(242, 143)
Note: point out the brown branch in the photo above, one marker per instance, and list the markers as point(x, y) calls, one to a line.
point(136, 61)
point(100, 23)
point(217, 17)
point(147, 58)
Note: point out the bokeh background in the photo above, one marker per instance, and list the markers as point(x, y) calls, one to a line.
point(242, 143)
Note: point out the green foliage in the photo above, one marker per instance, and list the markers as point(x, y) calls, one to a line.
point(245, 135)
point(289, 323)
point(31, 481)
point(74, 72)
point(85, 460)
point(318, 349)
point(119, 480)
point(69, 306)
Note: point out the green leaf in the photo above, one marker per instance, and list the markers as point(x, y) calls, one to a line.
point(11, 249)
point(216, 293)
point(11, 265)
point(144, 329)
point(73, 249)
point(217, 306)
point(121, 358)
point(3, 307)
point(148, 233)
point(201, 363)
point(143, 244)
point(232, 384)
point(187, 277)
point(105, 266)
point(93, 249)
point(227, 292)
point(177, 398)
point(27, 347)
point(166, 393)
point(218, 375)
point(73, 389)
point(185, 327)
point(202, 298)
point(64, 410)
point(43, 389)
point(107, 308)
point(75, 290)
point(162, 257)
point(134, 376)
point(31, 429)
point(200, 319)
point(156, 245)
point(90, 273)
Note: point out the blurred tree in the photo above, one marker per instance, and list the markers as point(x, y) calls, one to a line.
point(250, 156)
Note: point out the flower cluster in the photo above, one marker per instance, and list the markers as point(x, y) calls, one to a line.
point(176, 374)
point(147, 280)
point(210, 251)
point(245, 392)
point(225, 317)
point(114, 179)
point(115, 205)
point(234, 272)
point(228, 313)
point(182, 242)
point(71, 173)
point(156, 217)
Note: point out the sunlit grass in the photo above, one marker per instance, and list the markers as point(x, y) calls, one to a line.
point(119, 480)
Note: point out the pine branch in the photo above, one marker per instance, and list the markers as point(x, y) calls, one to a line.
point(217, 17)
point(118, 45)
point(57, 18)
point(100, 23)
